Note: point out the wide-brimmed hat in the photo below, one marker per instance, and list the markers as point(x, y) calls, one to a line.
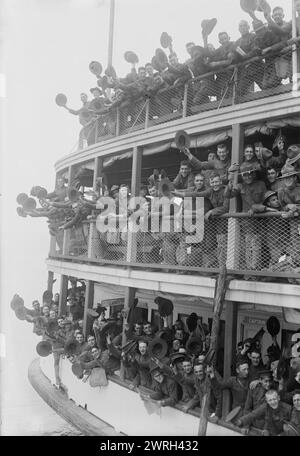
point(158, 348)
point(194, 345)
point(192, 321)
point(165, 306)
point(208, 25)
point(247, 168)
point(95, 67)
point(293, 154)
point(268, 195)
point(196, 48)
point(44, 348)
point(288, 171)
point(16, 302)
point(131, 57)
point(182, 140)
point(92, 90)
point(265, 373)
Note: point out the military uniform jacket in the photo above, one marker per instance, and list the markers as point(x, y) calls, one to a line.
point(289, 196)
point(182, 183)
point(186, 381)
point(295, 418)
point(143, 376)
point(247, 44)
point(239, 388)
point(168, 390)
point(220, 167)
point(255, 398)
point(252, 195)
point(273, 419)
point(218, 200)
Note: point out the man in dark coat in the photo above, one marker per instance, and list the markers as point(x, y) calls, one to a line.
point(274, 413)
point(165, 388)
point(256, 396)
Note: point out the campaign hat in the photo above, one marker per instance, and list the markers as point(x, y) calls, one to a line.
point(194, 345)
point(61, 99)
point(182, 140)
point(165, 306)
point(21, 212)
point(72, 347)
point(21, 313)
point(95, 67)
point(288, 171)
point(268, 195)
point(22, 198)
point(158, 348)
point(192, 321)
point(47, 297)
point(30, 204)
point(77, 369)
point(131, 57)
point(165, 40)
point(92, 90)
point(92, 313)
point(196, 48)
point(247, 168)
point(176, 357)
point(162, 58)
point(265, 373)
point(16, 302)
point(44, 348)
point(293, 154)
point(208, 25)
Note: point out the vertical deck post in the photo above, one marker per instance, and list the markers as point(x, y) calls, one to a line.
point(135, 189)
point(66, 240)
point(185, 100)
point(233, 241)
point(128, 302)
point(50, 281)
point(88, 304)
point(229, 349)
point(219, 297)
point(147, 111)
point(294, 48)
point(118, 121)
point(63, 295)
point(98, 166)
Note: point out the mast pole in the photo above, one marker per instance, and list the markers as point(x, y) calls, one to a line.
point(295, 52)
point(111, 32)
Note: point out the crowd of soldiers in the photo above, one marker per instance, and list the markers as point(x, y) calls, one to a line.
point(173, 365)
point(208, 71)
point(266, 182)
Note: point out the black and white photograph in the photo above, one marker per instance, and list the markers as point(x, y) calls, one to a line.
point(150, 221)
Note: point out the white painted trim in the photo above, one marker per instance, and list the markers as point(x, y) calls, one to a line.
point(269, 294)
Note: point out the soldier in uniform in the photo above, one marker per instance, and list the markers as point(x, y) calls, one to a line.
point(256, 365)
point(252, 192)
point(246, 48)
point(142, 362)
point(273, 413)
point(165, 388)
point(256, 396)
point(205, 87)
point(289, 198)
point(238, 385)
point(220, 165)
point(184, 178)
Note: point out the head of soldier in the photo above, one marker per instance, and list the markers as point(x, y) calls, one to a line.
point(143, 348)
point(242, 370)
point(249, 152)
point(185, 168)
point(272, 399)
point(273, 202)
point(138, 329)
point(91, 341)
point(179, 334)
point(199, 371)
point(211, 156)
point(222, 152)
point(266, 380)
point(271, 175)
point(248, 177)
point(215, 182)
point(187, 366)
point(147, 328)
point(149, 69)
point(46, 311)
point(244, 28)
point(142, 73)
point(83, 98)
point(278, 15)
point(173, 59)
point(189, 46)
point(95, 352)
point(158, 376)
point(199, 181)
point(223, 38)
point(290, 181)
point(296, 399)
point(79, 338)
point(36, 305)
point(255, 358)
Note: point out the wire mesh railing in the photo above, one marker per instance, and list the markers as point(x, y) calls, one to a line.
point(265, 75)
point(251, 246)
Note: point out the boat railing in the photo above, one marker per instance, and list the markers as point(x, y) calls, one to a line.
point(260, 246)
point(265, 75)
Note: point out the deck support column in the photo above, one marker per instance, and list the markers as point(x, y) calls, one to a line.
point(88, 304)
point(63, 295)
point(229, 349)
point(93, 234)
point(233, 241)
point(66, 240)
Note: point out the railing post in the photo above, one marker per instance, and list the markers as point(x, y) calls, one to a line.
point(98, 166)
point(229, 348)
point(118, 121)
point(135, 189)
point(96, 130)
point(185, 100)
point(235, 82)
point(88, 304)
point(52, 250)
point(63, 295)
point(295, 65)
point(233, 242)
point(147, 111)
point(66, 240)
